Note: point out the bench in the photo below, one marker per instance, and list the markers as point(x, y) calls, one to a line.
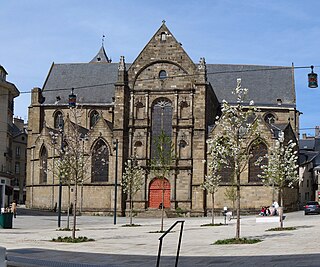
point(269, 219)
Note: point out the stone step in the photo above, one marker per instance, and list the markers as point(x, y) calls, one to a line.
point(151, 213)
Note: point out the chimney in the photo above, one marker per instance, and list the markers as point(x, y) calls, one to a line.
point(304, 136)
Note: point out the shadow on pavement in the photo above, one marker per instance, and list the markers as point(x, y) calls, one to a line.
point(35, 212)
point(45, 257)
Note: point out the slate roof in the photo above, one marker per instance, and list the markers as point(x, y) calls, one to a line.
point(266, 84)
point(309, 151)
point(96, 82)
point(93, 83)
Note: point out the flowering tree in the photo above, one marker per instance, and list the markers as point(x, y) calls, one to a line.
point(161, 163)
point(132, 181)
point(238, 126)
point(281, 170)
point(73, 164)
point(216, 152)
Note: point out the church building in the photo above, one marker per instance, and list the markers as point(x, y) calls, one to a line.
point(124, 108)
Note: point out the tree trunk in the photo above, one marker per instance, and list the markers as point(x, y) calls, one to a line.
point(162, 207)
point(212, 211)
point(238, 207)
point(131, 207)
point(281, 208)
point(75, 211)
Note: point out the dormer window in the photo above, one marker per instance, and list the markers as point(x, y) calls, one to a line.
point(162, 74)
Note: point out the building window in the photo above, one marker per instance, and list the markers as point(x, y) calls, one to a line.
point(100, 162)
point(163, 37)
point(227, 171)
point(18, 151)
point(17, 167)
point(94, 116)
point(257, 151)
point(58, 120)
point(161, 122)
point(269, 118)
point(162, 74)
point(138, 149)
point(43, 165)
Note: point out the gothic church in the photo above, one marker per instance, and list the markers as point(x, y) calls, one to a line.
point(130, 103)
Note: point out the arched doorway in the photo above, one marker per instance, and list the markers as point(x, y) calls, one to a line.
point(155, 193)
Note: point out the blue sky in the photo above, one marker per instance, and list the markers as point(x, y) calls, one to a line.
point(35, 33)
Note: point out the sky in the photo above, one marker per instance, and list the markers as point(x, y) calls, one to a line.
point(36, 33)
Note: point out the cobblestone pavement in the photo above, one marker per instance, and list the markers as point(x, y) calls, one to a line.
point(29, 242)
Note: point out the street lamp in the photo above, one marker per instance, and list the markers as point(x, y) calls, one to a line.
point(115, 148)
point(84, 138)
point(312, 79)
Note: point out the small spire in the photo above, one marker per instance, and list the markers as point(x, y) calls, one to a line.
point(101, 57)
point(163, 22)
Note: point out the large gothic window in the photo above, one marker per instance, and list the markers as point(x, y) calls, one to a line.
point(43, 165)
point(58, 120)
point(94, 116)
point(161, 121)
point(257, 151)
point(100, 162)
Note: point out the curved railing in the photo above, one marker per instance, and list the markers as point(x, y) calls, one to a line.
point(179, 242)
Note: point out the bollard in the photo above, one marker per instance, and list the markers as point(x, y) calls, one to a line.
point(3, 261)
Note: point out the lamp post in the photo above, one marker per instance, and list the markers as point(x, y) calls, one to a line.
point(115, 148)
point(84, 138)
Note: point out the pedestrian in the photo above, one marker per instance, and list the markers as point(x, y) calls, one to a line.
point(14, 208)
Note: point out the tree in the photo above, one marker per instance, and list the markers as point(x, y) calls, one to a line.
point(231, 194)
point(239, 126)
point(216, 160)
point(132, 181)
point(282, 169)
point(74, 161)
point(161, 162)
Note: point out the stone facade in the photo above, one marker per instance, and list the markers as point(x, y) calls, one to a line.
point(8, 92)
point(162, 89)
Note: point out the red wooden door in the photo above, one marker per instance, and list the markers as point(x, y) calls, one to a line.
point(155, 193)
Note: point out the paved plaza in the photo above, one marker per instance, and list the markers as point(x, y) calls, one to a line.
point(28, 243)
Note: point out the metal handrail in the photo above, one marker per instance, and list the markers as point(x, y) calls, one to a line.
point(179, 243)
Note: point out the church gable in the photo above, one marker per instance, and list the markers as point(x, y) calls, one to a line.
point(162, 57)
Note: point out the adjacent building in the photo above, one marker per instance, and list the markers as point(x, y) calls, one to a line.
point(129, 104)
point(8, 92)
point(19, 160)
point(309, 168)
